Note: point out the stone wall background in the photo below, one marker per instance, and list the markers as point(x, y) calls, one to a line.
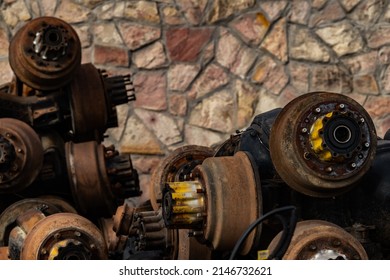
point(204, 68)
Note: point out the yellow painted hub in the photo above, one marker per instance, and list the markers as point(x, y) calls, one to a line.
point(188, 203)
point(317, 140)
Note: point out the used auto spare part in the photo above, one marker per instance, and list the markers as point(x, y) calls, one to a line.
point(21, 155)
point(100, 179)
point(177, 166)
point(322, 143)
point(64, 236)
point(10, 215)
point(218, 193)
point(45, 53)
point(321, 240)
point(88, 122)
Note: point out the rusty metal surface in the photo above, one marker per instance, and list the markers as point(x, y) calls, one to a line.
point(115, 243)
point(147, 229)
point(64, 236)
point(337, 163)
point(177, 166)
point(321, 240)
point(21, 155)
point(4, 253)
point(10, 215)
point(228, 195)
point(88, 121)
point(89, 180)
point(60, 203)
point(45, 53)
point(189, 248)
point(25, 222)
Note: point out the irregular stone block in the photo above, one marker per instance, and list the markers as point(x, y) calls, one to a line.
point(150, 88)
point(235, 56)
point(342, 36)
point(332, 12)
point(177, 105)
point(270, 75)
point(72, 12)
point(378, 106)
point(150, 57)
point(141, 11)
point(106, 34)
point(330, 78)
point(222, 9)
point(368, 12)
point(273, 9)
point(247, 98)
point(135, 142)
point(276, 40)
point(384, 55)
point(172, 15)
point(211, 79)
point(378, 36)
point(111, 55)
point(251, 27)
point(137, 35)
point(4, 43)
point(365, 84)
point(215, 112)
point(203, 137)
point(181, 75)
point(15, 12)
point(349, 4)
point(192, 9)
point(362, 63)
point(299, 11)
point(185, 44)
point(164, 127)
point(299, 73)
point(304, 46)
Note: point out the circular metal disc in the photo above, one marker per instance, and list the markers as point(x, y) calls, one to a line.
point(332, 166)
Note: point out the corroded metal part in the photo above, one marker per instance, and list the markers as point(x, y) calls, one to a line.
point(89, 181)
point(321, 240)
point(24, 224)
point(9, 216)
point(227, 193)
point(53, 153)
point(4, 253)
point(21, 155)
point(229, 147)
point(322, 143)
point(189, 248)
point(177, 166)
point(100, 178)
point(106, 93)
point(64, 236)
point(45, 53)
point(60, 203)
point(146, 228)
point(187, 204)
point(123, 177)
point(115, 243)
point(88, 121)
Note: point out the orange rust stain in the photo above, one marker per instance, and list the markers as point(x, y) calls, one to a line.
point(261, 19)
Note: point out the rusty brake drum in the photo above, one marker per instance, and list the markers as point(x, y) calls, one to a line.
point(322, 143)
point(45, 53)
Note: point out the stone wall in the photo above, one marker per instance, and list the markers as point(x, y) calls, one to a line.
point(203, 68)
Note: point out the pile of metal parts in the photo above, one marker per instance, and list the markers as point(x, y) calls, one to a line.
point(58, 182)
point(307, 181)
